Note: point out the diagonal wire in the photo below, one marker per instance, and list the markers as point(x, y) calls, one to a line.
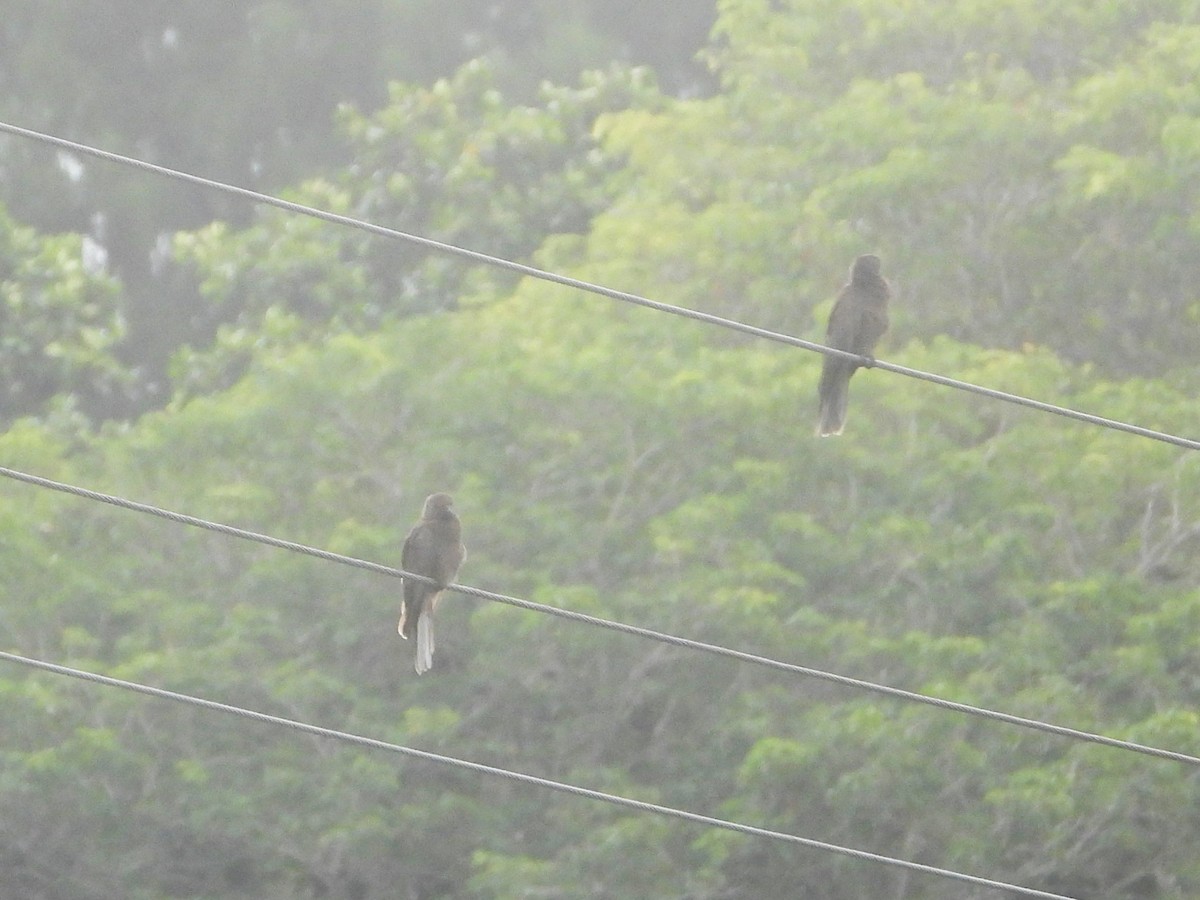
point(583, 618)
point(562, 787)
point(578, 284)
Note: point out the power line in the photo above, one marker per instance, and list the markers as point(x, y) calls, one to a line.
point(573, 616)
point(590, 287)
point(563, 787)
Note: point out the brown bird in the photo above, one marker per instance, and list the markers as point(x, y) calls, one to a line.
point(433, 548)
point(857, 322)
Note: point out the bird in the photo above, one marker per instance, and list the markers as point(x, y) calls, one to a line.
point(433, 548)
point(857, 322)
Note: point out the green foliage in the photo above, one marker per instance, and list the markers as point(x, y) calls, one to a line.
point(60, 321)
point(648, 469)
point(1027, 172)
point(247, 93)
point(456, 163)
point(634, 472)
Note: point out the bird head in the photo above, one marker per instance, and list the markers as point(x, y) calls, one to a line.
point(436, 505)
point(866, 266)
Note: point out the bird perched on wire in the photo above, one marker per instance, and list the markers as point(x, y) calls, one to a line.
point(857, 322)
point(433, 548)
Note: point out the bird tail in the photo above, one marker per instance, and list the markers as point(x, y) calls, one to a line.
point(425, 642)
point(403, 618)
point(835, 395)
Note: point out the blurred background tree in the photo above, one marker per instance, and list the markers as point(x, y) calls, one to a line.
point(247, 93)
point(1026, 174)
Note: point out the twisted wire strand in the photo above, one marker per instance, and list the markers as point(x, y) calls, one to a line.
point(475, 256)
point(520, 777)
point(583, 618)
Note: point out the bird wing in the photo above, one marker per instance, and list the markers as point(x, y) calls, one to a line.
point(450, 558)
point(845, 321)
point(419, 556)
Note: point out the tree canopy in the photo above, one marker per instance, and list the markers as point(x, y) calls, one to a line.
point(1025, 174)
